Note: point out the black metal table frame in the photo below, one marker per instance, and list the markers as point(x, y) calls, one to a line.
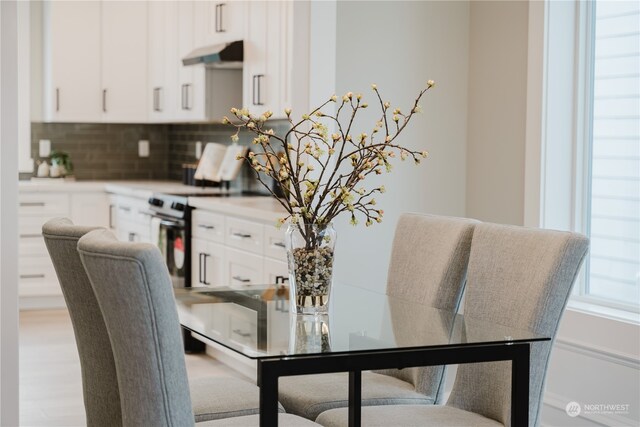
point(270, 369)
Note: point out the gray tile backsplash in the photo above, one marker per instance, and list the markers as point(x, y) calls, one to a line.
point(110, 151)
point(107, 151)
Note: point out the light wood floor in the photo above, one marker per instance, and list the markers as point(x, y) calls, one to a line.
point(50, 382)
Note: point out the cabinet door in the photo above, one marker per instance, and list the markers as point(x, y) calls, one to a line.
point(124, 61)
point(72, 62)
point(207, 265)
point(262, 57)
point(220, 21)
point(163, 61)
point(191, 79)
point(275, 271)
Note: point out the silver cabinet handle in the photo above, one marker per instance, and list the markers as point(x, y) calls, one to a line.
point(241, 279)
point(30, 236)
point(279, 245)
point(241, 235)
point(184, 95)
point(132, 237)
point(157, 93)
point(32, 204)
point(57, 99)
point(189, 102)
point(219, 18)
point(124, 208)
point(257, 89)
point(206, 227)
point(104, 100)
point(32, 276)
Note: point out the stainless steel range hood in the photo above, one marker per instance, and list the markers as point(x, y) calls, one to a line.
point(226, 55)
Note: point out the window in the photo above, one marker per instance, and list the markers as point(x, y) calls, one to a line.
point(610, 208)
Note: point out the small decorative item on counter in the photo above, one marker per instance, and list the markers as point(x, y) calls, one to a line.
point(322, 173)
point(61, 164)
point(43, 169)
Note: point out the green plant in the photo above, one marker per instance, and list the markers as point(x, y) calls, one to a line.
point(62, 159)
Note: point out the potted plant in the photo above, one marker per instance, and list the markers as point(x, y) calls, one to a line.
point(323, 174)
point(61, 164)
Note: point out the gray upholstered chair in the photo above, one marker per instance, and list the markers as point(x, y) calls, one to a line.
point(212, 398)
point(133, 289)
point(428, 265)
point(517, 277)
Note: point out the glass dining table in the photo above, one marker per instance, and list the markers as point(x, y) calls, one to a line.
point(363, 330)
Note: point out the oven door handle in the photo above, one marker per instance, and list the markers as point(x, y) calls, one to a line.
point(172, 224)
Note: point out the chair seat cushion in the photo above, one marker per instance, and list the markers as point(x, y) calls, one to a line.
point(222, 397)
point(310, 395)
point(409, 416)
point(284, 420)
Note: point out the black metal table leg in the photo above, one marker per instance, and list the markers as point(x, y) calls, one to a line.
point(355, 398)
point(520, 386)
point(268, 382)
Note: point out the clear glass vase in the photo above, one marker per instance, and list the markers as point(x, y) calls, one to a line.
point(310, 255)
point(309, 334)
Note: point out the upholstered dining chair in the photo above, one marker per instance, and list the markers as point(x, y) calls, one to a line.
point(212, 398)
point(518, 277)
point(134, 291)
point(428, 265)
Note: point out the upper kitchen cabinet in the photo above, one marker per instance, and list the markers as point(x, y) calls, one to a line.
point(124, 61)
point(72, 61)
point(95, 61)
point(162, 89)
point(191, 79)
point(266, 57)
point(220, 22)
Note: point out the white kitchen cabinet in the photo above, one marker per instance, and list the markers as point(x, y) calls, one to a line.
point(242, 268)
point(220, 21)
point(207, 263)
point(245, 235)
point(124, 61)
point(72, 62)
point(95, 61)
point(130, 219)
point(37, 275)
point(264, 58)
point(275, 271)
point(163, 61)
point(191, 79)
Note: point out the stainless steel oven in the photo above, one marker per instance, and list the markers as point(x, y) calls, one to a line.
point(174, 243)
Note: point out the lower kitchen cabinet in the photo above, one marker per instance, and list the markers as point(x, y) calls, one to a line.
point(129, 218)
point(37, 277)
point(207, 263)
point(242, 268)
point(275, 271)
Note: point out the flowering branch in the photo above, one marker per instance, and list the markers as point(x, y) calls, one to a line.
point(306, 147)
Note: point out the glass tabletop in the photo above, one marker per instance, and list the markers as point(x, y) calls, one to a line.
point(255, 321)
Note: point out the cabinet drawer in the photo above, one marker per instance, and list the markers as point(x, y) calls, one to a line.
point(243, 268)
point(245, 235)
point(207, 225)
point(31, 241)
point(55, 205)
point(37, 277)
point(274, 246)
point(275, 271)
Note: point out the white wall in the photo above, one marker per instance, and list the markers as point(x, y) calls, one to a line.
point(8, 215)
point(497, 111)
point(399, 46)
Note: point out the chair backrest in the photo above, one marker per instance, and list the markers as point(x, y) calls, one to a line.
point(518, 277)
point(428, 265)
point(133, 287)
point(99, 382)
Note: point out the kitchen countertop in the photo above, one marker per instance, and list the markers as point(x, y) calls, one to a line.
point(139, 189)
point(265, 209)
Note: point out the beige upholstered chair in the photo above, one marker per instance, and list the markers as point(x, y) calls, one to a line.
point(517, 277)
point(212, 398)
point(428, 265)
point(134, 291)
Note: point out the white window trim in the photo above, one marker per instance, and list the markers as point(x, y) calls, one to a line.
point(549, 158)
